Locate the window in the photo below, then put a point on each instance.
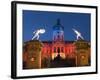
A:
(62, 49)
(54, 49)
(58, 50)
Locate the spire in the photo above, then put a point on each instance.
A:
(58, 21)
(58, 25)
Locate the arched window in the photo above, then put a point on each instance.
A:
(54, 49)
(62, 49)
(58, 36)
(58, 50)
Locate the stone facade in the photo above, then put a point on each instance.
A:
(56, 53)
(32, 54)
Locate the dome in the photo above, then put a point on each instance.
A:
(58, 26)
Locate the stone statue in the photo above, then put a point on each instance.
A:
(78, 34)
(37, 33)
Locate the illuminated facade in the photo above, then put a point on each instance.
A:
(56, 53)
(58, 46)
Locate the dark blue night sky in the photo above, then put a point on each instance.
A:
(33, 20)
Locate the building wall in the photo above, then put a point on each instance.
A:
(48, 49)
(81, 57)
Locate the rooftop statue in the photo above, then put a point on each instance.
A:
(37, 33)
(78, 34)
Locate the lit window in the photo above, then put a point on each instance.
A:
(58, 50)
(62, 49)
(54, 49)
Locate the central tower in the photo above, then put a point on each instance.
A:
(58, 31)
(58, 40)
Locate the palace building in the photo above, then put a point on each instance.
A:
(61, 53)
(58, 46)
